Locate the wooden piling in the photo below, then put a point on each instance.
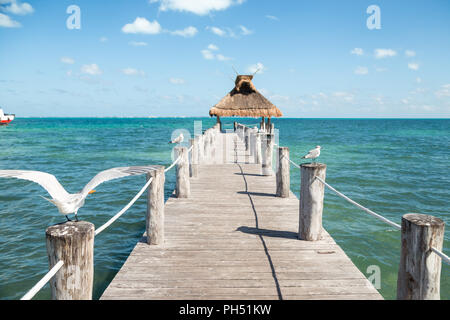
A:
(183, 187)
(419, 271)
(267, 143)
(283, 173)
(258, 150)
(311, 201)
(154, 220)
(193, 165)
(73, 243)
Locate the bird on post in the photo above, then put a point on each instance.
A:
(313, 154)
(177, 140)
(70, 203)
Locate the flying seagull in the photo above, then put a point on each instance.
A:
(70, 203)
(313, 154)
(179, 139)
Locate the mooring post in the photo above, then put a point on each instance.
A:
(246, 138)
(206, 147)
(183, 187)
(154, 220)
(283, 173)
(73, 243)
(267, 142)
(234, 125)
(311, 201)
(193, 166)
(258, 150)
(419, 272)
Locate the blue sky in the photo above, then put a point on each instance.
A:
(174, 57)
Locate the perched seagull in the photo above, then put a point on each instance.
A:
(179, 139)
(70, 203)
(313, 154)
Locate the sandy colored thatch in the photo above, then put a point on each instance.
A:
(245, 101)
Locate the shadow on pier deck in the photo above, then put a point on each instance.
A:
(233, 239)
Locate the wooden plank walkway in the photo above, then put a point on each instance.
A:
(233, 239)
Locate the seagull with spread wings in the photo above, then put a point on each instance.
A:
(70, 203)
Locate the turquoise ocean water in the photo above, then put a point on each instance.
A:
(390, 166)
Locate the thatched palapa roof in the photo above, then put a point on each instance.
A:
(245, 101)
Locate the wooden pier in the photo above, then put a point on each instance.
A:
(233, 238)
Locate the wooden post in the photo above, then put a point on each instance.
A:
(311, 201)
(207, 147)
(155, 207)
(419, 271)
(283, 173)
(193, 166)
(267, 154)
(246, 138)
(183, 187)
(235, 126)
(73, 243)
(258, 150)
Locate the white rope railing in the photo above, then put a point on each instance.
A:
(173, 164)
(442, 255)
(121, 212)
(293, 163)
(38, 286)
(376, 215)
(445, 258)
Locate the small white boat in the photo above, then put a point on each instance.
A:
(5, 119)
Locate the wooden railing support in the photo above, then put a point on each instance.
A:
(311, 201)
(419, 272)
(154, 221)
(73, 243)
(183, 187)
(193, 166)
(267, 143)
(283, 173)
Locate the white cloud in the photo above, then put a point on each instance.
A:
(381, 69)
(138, 43)
(344, 96)
(92, 69)
(142, 25)
(413, 66)
(103, 39)
(208, 55)
(217, 31)
(213, 47)
(67, 60)
(259, 67)
(199, 7)
(177, 81)
(444, 91)
(245, 31)
(133, 72)
(15, 7)
(186, 32)
(410, 53)
(384, 53)
(361, 70)
(357, 51)
(272, 17)
(222, 57)
(7, 22)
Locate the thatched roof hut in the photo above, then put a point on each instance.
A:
(244, 101)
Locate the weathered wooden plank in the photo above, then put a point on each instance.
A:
(234, 239)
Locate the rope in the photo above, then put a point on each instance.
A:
(443, 256)
(38, 286)
(296, 165)
(173, 164)
(376, 215)
(121, 212)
